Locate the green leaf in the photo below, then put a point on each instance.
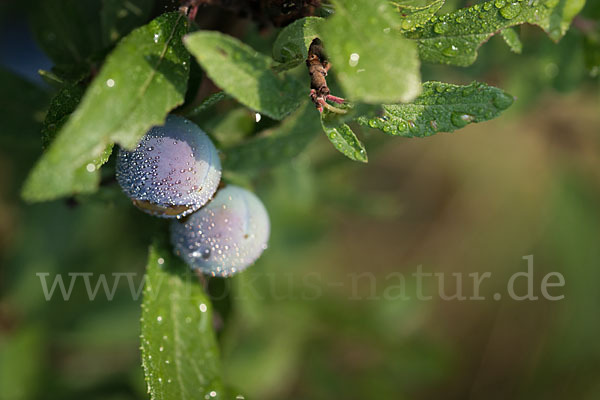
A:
(180, 354)
(342, 137)
(275, 146)
(61, 106)
(119, 17)
(292, 43)
(245, 74)
(67, 30)
(372, 63)
(416, 13)
(141, 81)
(206, 104)
(454, 38)
(511, 37)
(442, 107)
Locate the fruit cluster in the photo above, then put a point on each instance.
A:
(175, 172)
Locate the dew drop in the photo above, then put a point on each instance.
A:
(502, 101)
(511, 10)
(402, 126)
(450, 51)
(461, 119)
(441, 27)
(414, 128)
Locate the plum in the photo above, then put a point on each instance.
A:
(225, 236)
(173, 171)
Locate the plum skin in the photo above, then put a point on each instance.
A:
(225, 236)
(174, 170)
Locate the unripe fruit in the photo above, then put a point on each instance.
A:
(174, 170)
(225, 236)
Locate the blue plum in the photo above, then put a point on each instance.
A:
(174, 170)
(225, 236)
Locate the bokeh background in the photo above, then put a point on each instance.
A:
(311, 320)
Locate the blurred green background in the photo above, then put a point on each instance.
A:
(311, 320)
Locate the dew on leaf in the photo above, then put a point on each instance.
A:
(441, 27)
(450, 51)
(402, 126)
(502, 101)
(461, 119)
(414, 128)
(511, 10)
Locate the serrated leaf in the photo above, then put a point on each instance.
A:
(454, 38)
(245, 74)
(511, 37)
(292, 43)
(207, 103)
(416, 13)
(141, 81)
(342, 137)
(61, 106)
(371, 62)
(119, 17)
(442, 107)
(277, 145)
(180, 354)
